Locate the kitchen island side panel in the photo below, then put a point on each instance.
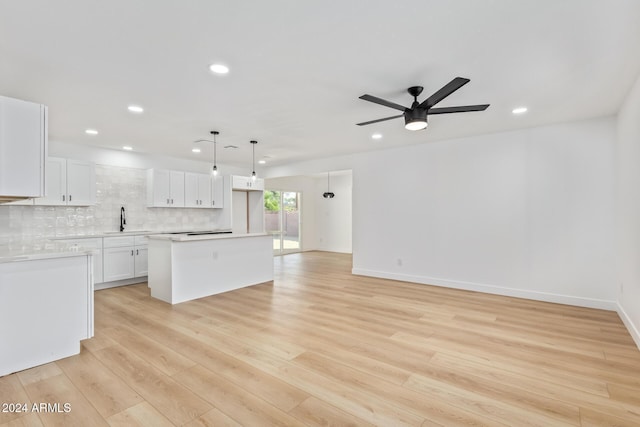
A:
(159, 264)
(46, 308)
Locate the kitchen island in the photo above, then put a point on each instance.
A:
(183, 267)
(46, 304)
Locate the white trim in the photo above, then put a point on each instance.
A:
(492, 289)
(117, 283)
(633, 329)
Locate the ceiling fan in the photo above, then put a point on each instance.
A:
(415, 118)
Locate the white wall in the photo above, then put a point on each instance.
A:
(326, 223)
(526, 213)
(333, 216)
(628, 211)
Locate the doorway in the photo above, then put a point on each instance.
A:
(282, 220)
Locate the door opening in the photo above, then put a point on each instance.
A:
(282, 220)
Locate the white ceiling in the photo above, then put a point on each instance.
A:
(298, 67)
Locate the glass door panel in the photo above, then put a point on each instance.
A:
(282, 220)
(290, 222)
(273, 218)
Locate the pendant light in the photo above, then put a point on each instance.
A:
(215, 145)
(328, 194)
(253, 146)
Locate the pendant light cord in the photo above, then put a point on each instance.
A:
(215, 149)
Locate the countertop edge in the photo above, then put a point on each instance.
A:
(184, 238)
(47, 254)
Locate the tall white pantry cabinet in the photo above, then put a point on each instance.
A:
(23, 149)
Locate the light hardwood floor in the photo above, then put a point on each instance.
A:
(322, 347)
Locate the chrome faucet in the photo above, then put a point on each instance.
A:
(123, 220)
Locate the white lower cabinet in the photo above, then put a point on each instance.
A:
(115, 258)
(94, 243)
(119, 263)
(125, 257)
(141, 266)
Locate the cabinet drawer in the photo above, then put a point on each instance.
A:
(120, 241)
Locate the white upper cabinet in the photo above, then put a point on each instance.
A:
(246, 183)
(69, 183)
(23, 149)
(165, 188)
(81, 183)
(217, 191)
(197, 190)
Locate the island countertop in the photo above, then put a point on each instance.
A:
(110, 233)
(187, 238)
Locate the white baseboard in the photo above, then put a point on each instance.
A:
(336, 250)
(633, 329)
(108, 285)
(492, 289)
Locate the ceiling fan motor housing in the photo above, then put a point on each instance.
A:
(415, 115)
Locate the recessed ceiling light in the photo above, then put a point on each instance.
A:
(519, 110)
(91, 132)
(195, 150)
(219, 69)
(135, 109)
(376, 136)
(127, 148)
(262, 162)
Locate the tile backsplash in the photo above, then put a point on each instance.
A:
(115, 187)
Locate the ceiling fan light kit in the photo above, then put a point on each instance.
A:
(415, 118)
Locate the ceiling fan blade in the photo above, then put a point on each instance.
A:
(445, 91)
(379, 120)
(461, 109)
(384, 102)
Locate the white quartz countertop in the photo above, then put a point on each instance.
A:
(126, 233)
(187, 238)
(33, 252)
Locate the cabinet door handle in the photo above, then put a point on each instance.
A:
(131, 252)
(63, 197)
(171, 201)
(213, 202)
(136, 252)
(167, 201)
(69, 197)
